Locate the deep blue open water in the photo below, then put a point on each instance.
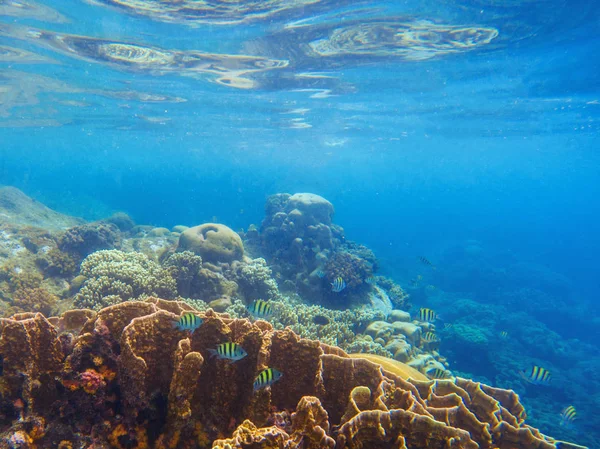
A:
(465, 131)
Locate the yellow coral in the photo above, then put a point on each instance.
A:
(65, 444)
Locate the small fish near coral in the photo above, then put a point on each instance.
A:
(568, 415)
(430, 337)
(436, 373)
(229, 351)
(537, 375)
(371, 280)
(260, 309)
(428, 315)
(338, 285)
(189, 322)
(320, 274)
(266, 378)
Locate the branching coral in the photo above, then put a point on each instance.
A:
(255, 280)
(335, 327)
(184, 267)
(114, 275)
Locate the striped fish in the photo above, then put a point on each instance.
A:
(568, 415)
(260, 309)
(320, 274)
(429, 337)
(427, 315)
(371, 280)
(436, 373)
(537, 375)
(338, 285)
(448, 325)
(266, 378)
(188, 322)
(503, 335)
(426, 261)
(229, 351)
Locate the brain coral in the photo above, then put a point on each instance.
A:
(115, 276)
(153, 385)
(213, 242)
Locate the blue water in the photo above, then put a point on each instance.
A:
(484, 159)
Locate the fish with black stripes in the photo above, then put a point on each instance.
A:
(537, 375)
(427, 315)
(260, 309)
(229, 351)
(266, 378)
(338, 284)
(188, 322)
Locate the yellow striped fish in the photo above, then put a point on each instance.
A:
(503, 335)
(537, 375)
(338, 284)
(429, 337)
(188, 322)
(230, 351)
(260, 309)
(436, 373)
(427, 315)
(266, 378)
(568, 415)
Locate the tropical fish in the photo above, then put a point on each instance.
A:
(188, 322)
(568, 415)
(230, 351)
(503, 335)
(426, 261)
(266, 378)
(338, 285)
(260, 309)
(427, 315)
(320, 274)
(436, 373)
(429, 337)
(537, 375)
(371, 280)
(448, 325)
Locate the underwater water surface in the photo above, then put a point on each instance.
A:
(462, 132)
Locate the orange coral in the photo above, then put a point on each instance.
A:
(171, 394)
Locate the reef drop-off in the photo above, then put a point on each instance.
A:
(126, 377)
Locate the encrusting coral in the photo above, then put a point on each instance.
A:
(128, 378)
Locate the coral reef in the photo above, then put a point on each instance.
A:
(114, 276)
(297, 233)
(184, 267)
(129, 379)
(213, 242)
(34, 300)
(255, 280)
(55, 262)
(87, 238)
